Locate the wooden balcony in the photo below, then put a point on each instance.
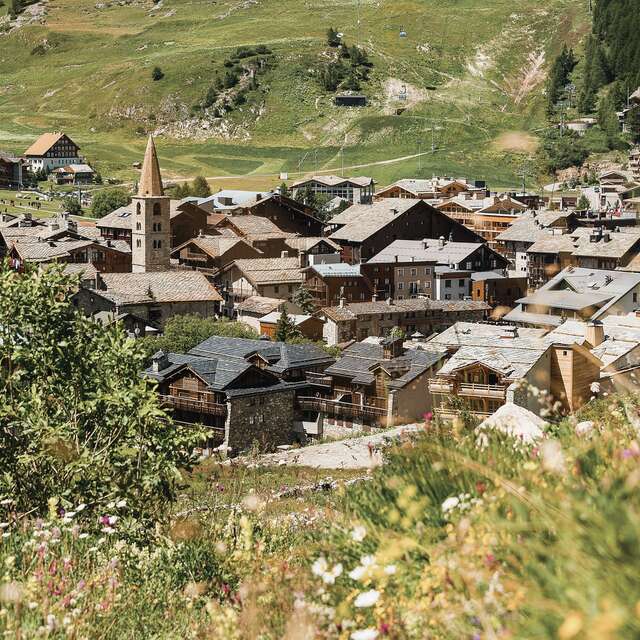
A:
(440, 386)
(474, 390)
(319, 379)
(194, 406)
(341, 409)
(466, 389)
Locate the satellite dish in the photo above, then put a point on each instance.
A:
(403, 33)
(340, 34)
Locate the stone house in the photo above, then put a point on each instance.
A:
(359, 320)
(309, 326)
(286, 213)
(209, 254)
(245, 391)
(153, 296)
(411, 268)
(265, 277)
(10, 171)
(73, 174)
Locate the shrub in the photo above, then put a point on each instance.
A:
(157, 74)
(108, 200)
(77, 423)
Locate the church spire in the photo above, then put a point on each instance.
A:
(150, 178)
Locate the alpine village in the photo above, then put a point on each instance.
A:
(319, 321)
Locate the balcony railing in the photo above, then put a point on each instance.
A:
(319, 379)
(470, 389)
(341, 409)
(440, 386)
(195, 406)
(481, 390)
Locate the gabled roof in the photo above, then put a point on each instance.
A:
(338, 270)
(260, 305)
(260, 271)
(158, 286)
(308, 243)
(43, 144)
(280, 356)
(214, 246)
(429, 250)
(360, 360)
(118, 219)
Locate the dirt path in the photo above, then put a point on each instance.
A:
(354, 453)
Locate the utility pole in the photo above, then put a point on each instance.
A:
(419, 156)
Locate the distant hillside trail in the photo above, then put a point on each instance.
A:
(319, 171)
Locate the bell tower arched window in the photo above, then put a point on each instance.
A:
(138, 209)
(156, 209)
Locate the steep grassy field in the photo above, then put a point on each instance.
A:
(473, 73)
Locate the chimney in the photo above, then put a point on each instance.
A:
(159, 361)
(389, 302)
(341, 303)
(258, 197)
(425, 243)
(284, 254)
(302, 259)
(374, 297)
(594, 333)
(441, 241)
(394, 211)
(606, 237)
(395, 258)
(451, 236)
(201, 234)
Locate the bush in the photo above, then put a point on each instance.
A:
(182, 333)
(72, 206)
(77, 423)
(563, 151)
(157, 74)
(108, 200)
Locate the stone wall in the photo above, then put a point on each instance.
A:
(265, 419)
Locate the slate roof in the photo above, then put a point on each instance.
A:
(601, 282)
(566, 299)
(482, 334)
(355, 310)
(118, 219)
(427, 250)
(261, 271)
(34, 251)
(338, 270)
(158, 286)
(360, 360)
(239, 198)
(529, 228)
(306, 244)
(214, 246)
(620, 348)
(332, 181)
(250, 225)
(259, 305)
(513, 358)
(281, 356)
(373, 216)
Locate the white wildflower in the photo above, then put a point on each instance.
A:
(584, 428)
(329, 577)
(364, 634)
(121, 504)
(357, 573)
(358, 534)
(320, 566)
(367, 599)
(390, 569)
(552, 456)
(450, 504)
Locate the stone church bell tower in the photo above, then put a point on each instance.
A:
(150, 225)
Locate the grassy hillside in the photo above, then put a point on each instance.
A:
(473, 73)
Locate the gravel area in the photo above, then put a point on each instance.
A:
(361, 452)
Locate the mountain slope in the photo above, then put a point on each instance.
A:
(472, 71)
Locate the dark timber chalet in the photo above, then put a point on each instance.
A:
(363, 230)
(245, 390)
(377, 384)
